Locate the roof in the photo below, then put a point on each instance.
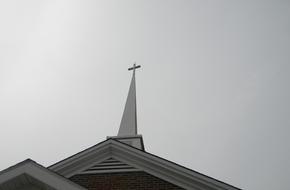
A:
(29, 173)
(138, 159)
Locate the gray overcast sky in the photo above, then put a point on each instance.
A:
(212, 93)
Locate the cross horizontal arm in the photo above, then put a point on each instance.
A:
(134, 67)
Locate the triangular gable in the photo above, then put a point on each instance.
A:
(109, 165)
(29, 174)
(149, 163)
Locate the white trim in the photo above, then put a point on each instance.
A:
(36, 171)
(81, 161)
(144, 161)
(164, 169)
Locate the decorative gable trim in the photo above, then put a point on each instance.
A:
(166, 170)
(82, 160)
(149, 163)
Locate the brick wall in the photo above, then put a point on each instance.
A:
(122, 181)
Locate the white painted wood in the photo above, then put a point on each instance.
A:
(128, 124)
(144, 161)
(29, 173)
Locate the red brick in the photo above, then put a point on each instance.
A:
(123, 181)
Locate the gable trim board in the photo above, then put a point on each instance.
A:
(149, 163)
(29, 172)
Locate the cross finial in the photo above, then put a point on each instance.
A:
(134, 67)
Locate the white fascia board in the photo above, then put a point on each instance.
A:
(71, 171)
(147, 162)
(80, 160)
(165, 169)
(40, 173)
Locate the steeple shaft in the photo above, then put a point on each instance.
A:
(128, 124)
(128, 127)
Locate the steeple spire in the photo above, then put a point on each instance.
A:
(128, 124)
(128, 127)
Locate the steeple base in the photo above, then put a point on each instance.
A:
(132, 140)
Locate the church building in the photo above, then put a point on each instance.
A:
(117, 163)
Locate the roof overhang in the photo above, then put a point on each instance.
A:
(149, 163)
(30, 174)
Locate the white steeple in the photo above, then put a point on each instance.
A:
(128, 127)
(128, 124)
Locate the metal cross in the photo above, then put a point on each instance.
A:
(134, 67)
